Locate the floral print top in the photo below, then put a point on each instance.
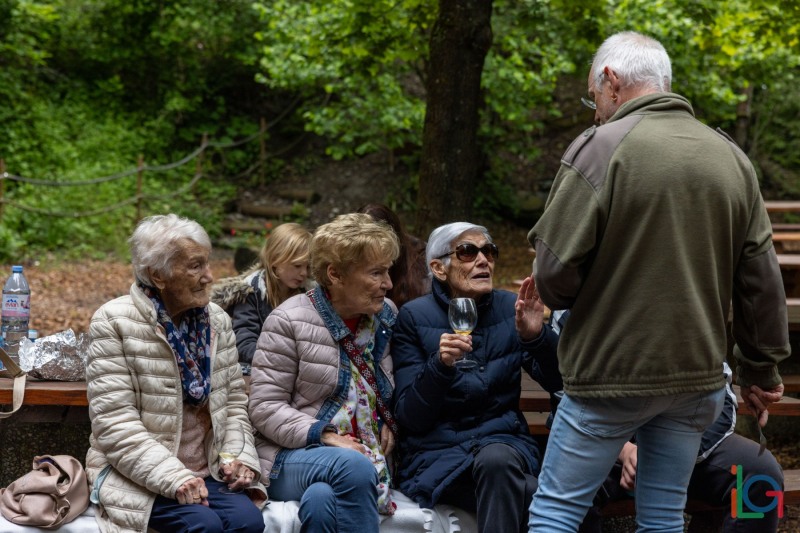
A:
(358, 418)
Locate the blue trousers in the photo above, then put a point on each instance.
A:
(586, 438)
(225, 513)
(712, 483)
(336, 488)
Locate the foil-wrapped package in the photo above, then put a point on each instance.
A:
(57, 357)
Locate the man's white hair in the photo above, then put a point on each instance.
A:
(637, 59)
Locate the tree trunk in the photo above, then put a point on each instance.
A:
(460, 40)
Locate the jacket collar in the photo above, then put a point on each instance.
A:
(655, 102)
(334, 322)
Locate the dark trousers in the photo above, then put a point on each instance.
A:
(711, 483)
(225, 513)
(498, 489)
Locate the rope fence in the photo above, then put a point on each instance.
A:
(139, 171)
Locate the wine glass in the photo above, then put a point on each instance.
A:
(463, 317)
(228, 456)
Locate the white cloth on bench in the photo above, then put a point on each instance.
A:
(281, 517)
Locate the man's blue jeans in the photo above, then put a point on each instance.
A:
(336, 488)
(586, 438)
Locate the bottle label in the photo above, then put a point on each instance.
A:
(17, 306)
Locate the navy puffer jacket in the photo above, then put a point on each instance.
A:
(446, 414)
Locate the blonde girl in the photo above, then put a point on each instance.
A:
(281, 272)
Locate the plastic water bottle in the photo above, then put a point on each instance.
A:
(16, 311)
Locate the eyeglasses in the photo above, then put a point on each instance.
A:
(588, 103)
(468, 252)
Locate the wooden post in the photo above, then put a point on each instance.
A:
(262, 152)
(198, 169)
(2, 185)
(139, 178)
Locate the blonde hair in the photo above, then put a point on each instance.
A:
(288, 243)
(349, 240)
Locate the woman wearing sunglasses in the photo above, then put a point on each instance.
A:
(463, 440)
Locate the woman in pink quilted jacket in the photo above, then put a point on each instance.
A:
(321, 385)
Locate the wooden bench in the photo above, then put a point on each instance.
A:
(790, 271)
(786, 241)
(534, 401)
(782, 206)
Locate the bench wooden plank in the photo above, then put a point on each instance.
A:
(71, 393)
(785, 226)
(782, 206)
(791, 487)
(793, 310)
(791, 383)
(536, 423)
(533, 399)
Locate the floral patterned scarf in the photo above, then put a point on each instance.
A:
(191, 344)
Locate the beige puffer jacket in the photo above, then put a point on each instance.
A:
(295, 370)
(136, 409)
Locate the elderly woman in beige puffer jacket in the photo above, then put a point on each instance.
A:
(166, 397)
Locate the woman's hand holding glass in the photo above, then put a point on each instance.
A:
(454, 347)
(529, 318)
(236, 474)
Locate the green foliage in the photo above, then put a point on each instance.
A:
(359, 64)
(88, 87)
(718, 49)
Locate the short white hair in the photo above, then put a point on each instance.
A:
(637, 59)
(155, 241)
(441, 239)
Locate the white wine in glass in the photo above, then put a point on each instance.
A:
(463, 317)
(227, 457)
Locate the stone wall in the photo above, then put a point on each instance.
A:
(40, 430)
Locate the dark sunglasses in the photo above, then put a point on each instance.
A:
(468, 252)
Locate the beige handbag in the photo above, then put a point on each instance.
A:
(53, 493)
(12, 370)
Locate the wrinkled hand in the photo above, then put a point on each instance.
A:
(193, 491)
(237, 475)
(331, 438)
(387, 440)
(758, 400)
(529, 317)
(453, 347)
(629, 457)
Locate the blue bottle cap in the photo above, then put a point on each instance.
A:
(16, 268)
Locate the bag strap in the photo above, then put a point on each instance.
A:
(19, 383)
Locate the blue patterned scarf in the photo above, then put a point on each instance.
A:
(191, 344)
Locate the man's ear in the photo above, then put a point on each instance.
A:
(438, 270)
(612, 78)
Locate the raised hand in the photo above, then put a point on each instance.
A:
(529, 318)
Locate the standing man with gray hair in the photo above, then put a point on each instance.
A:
(654, 224)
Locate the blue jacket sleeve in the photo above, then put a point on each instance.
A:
(541, 361)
